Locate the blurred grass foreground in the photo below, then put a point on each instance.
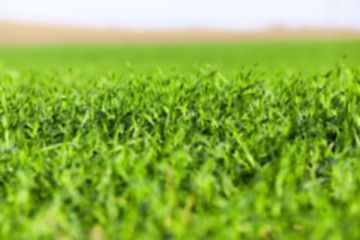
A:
(180, 141)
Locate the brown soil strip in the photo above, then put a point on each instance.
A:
(22, 34)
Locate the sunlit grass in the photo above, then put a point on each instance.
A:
(210, 152)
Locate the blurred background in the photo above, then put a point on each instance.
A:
(127, 34)
(119, 21)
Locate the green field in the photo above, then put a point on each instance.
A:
(215, 141)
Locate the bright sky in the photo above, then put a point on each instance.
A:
(183, 14)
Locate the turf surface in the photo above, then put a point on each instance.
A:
(239, 141)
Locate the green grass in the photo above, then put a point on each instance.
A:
(237, 141)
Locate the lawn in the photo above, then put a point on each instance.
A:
(198, 141)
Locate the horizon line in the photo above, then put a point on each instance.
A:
(27, 33)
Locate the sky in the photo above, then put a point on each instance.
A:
(185, 14)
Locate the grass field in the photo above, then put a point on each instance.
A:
(216, 141)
